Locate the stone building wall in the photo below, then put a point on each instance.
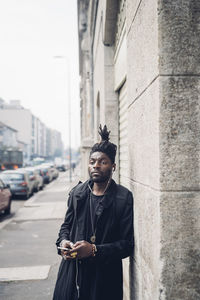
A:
(151, 49)
(144, 150)
(86, 84)
(179, 38)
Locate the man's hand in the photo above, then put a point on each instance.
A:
(82, 248)
(66, 244)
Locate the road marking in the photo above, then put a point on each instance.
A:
(59, 190)
(35, 235)
(38, 204)
(24, 273)
(41, 211)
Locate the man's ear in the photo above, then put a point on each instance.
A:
(113, 167)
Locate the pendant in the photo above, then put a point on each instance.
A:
(93, 239)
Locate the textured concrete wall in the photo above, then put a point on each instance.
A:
(144, 163)
(144, 110)
(163, 87)
(179, 39)
(164, 142)
(105, 86)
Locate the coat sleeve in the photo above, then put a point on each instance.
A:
(124, 246)
(64, 233)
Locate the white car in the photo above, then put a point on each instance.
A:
(40, 178)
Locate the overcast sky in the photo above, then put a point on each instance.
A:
(32, 34)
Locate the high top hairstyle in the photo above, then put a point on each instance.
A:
(105, 146)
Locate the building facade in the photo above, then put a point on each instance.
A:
(54, 144)
(38, 138)
(8, 136)
(139, 67)
(20, 119)
(33, 136)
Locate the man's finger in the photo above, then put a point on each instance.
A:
(64, 252)
(74, 251)
(78, 243)
(68, 257)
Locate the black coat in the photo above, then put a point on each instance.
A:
(99, 277)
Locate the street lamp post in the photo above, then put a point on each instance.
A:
(69, 112)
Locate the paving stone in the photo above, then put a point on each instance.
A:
(24, 273)
(42, 211)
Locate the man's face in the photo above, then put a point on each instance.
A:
(100, 167)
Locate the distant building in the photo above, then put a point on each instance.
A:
(13, 104)
(8, 136)
(37, 139)
(49, 142)
(2, 102)
(19, 118)
(23, 147)
(54, 144)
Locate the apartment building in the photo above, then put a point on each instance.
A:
(33, 134)
(8, 136)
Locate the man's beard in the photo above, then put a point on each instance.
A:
(101, 179)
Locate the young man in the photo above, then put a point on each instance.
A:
(97, 232)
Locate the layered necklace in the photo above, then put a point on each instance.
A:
(94, 224)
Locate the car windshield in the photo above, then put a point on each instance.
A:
(12, 176)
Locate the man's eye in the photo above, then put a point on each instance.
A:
(92, 162)
(103, 162)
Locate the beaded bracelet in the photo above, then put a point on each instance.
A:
(94, 249)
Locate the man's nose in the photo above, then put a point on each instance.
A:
(96, 164)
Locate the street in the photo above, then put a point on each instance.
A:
(29, 260)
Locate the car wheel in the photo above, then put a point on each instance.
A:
(7, 210)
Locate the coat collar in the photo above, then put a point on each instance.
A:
(82, 192)
(109, 195)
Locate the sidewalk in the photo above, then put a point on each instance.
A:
(28, 256)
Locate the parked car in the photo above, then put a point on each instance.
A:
(51, 171)
(18, 181)
(34, 177)
(54, 172)
(46, 174)
(5, 198)
(61, 168)
(40, 177)
(31, 179)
